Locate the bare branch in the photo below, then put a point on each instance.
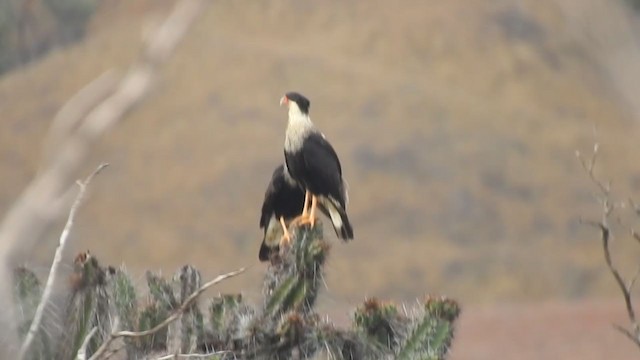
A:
(77, 108)
(176, 313)
(607, 208)
(625, 289)
(627, 333)
(82, 352)
(57, 259)
(589, 169)
(191, 356)
(616, 274)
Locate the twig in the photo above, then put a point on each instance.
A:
(105, 346)
(603, 225)
(176, 313)
(589, 169)
(190, 356)
(57, 259)
(82, 352)
(77, 108)
(624, 288)
(627, 333)
(616, 274)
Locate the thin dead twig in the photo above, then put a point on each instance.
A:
(607, 208)
(176, 313)
(624, 288)
(82, 352)
(191, 356)
(57, 259)
(589, 169)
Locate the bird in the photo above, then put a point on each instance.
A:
(314, 165)
(283, 200)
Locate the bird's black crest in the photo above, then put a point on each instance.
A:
(303, 102)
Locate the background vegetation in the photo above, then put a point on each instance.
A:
(105, 316)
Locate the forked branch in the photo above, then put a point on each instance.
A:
(608, 207)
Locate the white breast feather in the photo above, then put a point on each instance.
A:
(298, 127)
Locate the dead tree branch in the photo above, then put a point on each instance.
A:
(589, 169)
(182, 308)
(624, 288)
(191, 356)
(57, 259)
(74, 111)
(608, 207)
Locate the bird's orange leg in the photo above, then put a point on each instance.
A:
(311, 218)
(306, 203)
(304, 216)
(286, 237)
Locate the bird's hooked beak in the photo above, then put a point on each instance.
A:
(284, 100)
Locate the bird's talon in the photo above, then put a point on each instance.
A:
(299, 220)
(311, 221)
(285, 240)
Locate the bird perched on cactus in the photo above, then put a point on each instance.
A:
(314, 165)
(283, 200)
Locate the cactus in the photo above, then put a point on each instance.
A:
(226, 313)
(87, 307)
(150, 316)
(293, 283)
(377, 321)
(161, 292)
(431, 337)
(27, 293)
(191, 322)
(284, 327)
(122, 291)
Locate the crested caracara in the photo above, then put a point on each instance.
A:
(314, 165)
(282, 202)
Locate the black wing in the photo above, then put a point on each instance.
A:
(324, 173)
(270, 196)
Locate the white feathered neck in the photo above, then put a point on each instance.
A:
(298, 127)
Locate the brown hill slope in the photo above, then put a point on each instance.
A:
(456, 124)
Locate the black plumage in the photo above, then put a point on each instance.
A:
(314, 165)
(283, 198)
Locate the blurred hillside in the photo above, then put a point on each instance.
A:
(456, 123)
(31, 28)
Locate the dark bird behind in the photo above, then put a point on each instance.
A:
(283, 198)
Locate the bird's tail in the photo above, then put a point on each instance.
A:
(338, 216)
(266, 252)
(271, 240)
